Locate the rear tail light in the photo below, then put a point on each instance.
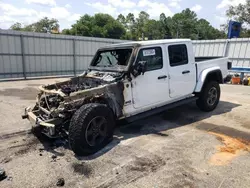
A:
(229, 65)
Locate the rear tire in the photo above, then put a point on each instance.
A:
(209, 96)
(91, 128)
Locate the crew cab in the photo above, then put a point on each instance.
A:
(126, 81)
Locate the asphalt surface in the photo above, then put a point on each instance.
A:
(182, 147)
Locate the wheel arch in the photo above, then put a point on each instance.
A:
(111, 103)
(210, 74)
(112, 96)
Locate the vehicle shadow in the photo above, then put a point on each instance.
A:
(156, 124)
(51, 145)
(160, 123)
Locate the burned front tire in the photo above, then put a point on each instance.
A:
(91, 128)
(209, 96)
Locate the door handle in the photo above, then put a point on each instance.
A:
(186, 72)
(162, 77)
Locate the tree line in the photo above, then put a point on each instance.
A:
(185, 24)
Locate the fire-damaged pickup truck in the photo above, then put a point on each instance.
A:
(126, 82)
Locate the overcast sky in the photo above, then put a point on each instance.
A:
(68, 11)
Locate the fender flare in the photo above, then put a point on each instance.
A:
(203, 76)
(113, 97)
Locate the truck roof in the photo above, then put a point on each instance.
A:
(148, 42)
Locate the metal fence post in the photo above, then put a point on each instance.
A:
(74, 56)
(226, 49)
(23, 56)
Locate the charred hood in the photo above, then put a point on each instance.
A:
(84, 82)
(68, 96)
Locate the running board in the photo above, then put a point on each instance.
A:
(158, 110)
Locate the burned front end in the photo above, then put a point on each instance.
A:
(56, 103)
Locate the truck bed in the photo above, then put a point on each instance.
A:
(206, 58)
(203, 63)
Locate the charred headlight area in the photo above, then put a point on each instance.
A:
(47, 107)
(49, 101)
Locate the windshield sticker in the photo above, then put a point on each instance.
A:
(149, 52)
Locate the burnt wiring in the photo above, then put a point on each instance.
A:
(45, 98)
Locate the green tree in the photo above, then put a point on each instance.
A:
(114, 30)
(240, 13)
(152, 30)
(99, 25)
(181, 25)
(131, 26)
(83, 26)
(44, 25)
(141, 21)
(245, 33)
(29, 28)
(130, 19)
(16, 26)
(97, 31)
(204, 30)
(66, 32)
(165, 25)
(184, 23)
(122, 20)
(102, 19)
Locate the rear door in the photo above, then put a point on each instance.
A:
(182, 71)
(152, 87)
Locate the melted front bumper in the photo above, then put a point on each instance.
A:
(48, 125)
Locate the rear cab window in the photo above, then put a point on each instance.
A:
(178, 55)
(153, 57)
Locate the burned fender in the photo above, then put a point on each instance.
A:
(110, 94)
(114, 97)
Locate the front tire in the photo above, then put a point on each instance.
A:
(209, 96)
(91, 128)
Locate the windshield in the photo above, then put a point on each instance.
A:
(112, 58)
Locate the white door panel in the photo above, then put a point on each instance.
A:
(182, 79)
(182, 71)
(152, 87)
(149, 90)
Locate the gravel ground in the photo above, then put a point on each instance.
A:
(182, 147)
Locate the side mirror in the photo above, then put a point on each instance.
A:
(139, 68)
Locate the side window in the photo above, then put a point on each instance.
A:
(153, 57)
(178, 55)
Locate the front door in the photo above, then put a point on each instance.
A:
(182, 72)
(152, 87)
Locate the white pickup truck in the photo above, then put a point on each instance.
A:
(126, 81)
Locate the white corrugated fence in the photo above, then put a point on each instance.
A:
(238, 50)
(26, 54)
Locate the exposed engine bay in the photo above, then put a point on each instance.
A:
(88, 81)
(56, 103)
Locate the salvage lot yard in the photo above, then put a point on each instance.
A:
(182, 147)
